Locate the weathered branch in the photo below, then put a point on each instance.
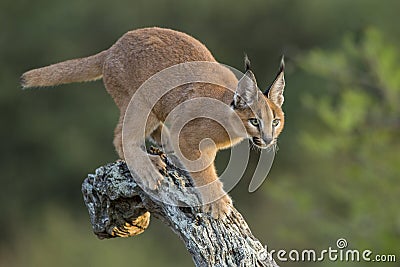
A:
(119, 207)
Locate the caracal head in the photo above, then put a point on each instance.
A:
(260, 112)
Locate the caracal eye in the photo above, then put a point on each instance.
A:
(254, 122)
(275, 122)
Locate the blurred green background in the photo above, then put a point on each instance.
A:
(337, 172)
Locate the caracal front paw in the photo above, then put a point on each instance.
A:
(154, 173)
(220, 208)
(159, 163)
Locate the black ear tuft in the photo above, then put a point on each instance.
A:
(247, 64)
(275, 91)
(281, 71)
(282, 65)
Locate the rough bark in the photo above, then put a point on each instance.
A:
(118, 207)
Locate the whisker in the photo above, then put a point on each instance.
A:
(253, 146)
(275, 147)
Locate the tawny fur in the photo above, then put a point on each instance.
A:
(140, 54)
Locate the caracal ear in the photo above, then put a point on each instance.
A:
(247, 90)
(275, 91)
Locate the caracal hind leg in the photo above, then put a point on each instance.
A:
(118, 138)
(162, 138)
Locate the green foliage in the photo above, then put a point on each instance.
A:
(357, 141)
(363, 98)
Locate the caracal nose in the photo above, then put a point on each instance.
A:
(268, 140)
